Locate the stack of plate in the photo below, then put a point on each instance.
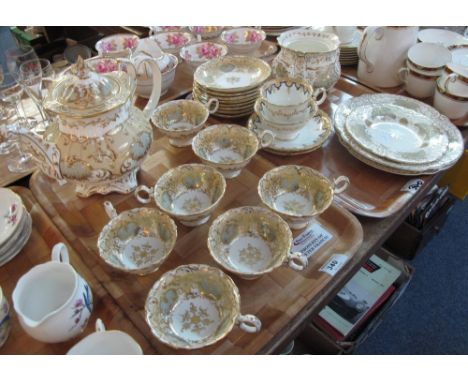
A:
(234, 80)
(275, 31)
(15, 225)
(349, 51)
(398, 134)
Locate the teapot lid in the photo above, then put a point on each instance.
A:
(83, 92)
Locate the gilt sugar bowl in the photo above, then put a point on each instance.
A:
(298, 193)
(96, 137)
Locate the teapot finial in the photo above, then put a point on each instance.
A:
(80, 68)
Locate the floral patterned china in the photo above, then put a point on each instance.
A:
(206, 32)
(18, 239)
(159, 29)
(396, 133)
(252, 241)
(181, 120)
(136, 241)
(52, 301)
(188, 193)
(310, 137)
(97, 138)
(200, 52)
(298, 193)
(229, 148)
(194, 306)
(243, 40)
(11, 213)
(117, 45)
(5, 326)
(171, 42)
(106, 342)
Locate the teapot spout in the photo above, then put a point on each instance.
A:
(46, 153)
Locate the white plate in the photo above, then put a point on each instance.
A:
(7, 245)
(310, 137)
(20, 244)
(441, 36)
(396, 133)
(11, 212)
(460, 55)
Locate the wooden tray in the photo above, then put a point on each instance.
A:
(276, 298)
(44, 236)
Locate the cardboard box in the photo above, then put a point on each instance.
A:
(320, 342)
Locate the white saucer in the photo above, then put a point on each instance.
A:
(11, 212)
(16, 249)
(310, 138)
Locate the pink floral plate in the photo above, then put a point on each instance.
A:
(11, 212)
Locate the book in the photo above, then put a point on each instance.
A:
(361, 296)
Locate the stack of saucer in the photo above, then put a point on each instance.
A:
(349, 50)
(287, 107)
(15, 225)
(233, 80)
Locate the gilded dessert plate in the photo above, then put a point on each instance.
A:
(310, 137)
(396, 133)
(455, 144)
(194, 306)
(232, 73)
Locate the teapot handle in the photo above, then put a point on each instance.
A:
(157, 83)
(60, 253)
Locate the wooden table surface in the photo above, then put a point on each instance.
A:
(37, 251)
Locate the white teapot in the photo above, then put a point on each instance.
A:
(52, 301)
(97, 138)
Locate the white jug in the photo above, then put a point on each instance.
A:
(382, 52)
(52, 301)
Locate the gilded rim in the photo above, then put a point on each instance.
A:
(454, 97)
(260, 211)
(320, 35)
(262, 184)
(124, 215)
(461, 77)
(181, 270)
(167, 105)
(289, 82)
(228, 128)
(168, 174)
(425, 68)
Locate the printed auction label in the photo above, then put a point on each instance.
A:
(334, 264)
(311, 240)
(412, 186)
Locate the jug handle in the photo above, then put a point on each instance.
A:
(60, 253)
(366, 36)
(100, 327)
(157, 83)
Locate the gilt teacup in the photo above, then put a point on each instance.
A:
(229, 148)
(136, 241)
(181, 120)
(188, 193)
(252, 241)
(298, 193)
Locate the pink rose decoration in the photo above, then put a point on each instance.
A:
(106, 66)
(177, 39)
(253, 36)
(208, 51)
(232, 37)
(108, 46)
(130, 43)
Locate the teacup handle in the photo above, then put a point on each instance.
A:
(147, 190)
(266, 138)
(403, 74)
(110, 210)
(100, 327)
(344, 180)
(323, 95)
(249, 323)
(315, 108)
(452, 77)
(212, 105)
(60, 253)
(297, 261)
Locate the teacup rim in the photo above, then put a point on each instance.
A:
(279, 80)
(180, 101)
(245, 43)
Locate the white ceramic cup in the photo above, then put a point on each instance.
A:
(345, 33)
(106, 342)
(4, 319)
(454, 80)
(429, 57)
(416, 84)
(454, 107)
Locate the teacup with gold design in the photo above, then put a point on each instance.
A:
(298, 193)
(188, 193)
(252, 241)
(181, 120)
(229, 148)
(136, 241)
(194, 306)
